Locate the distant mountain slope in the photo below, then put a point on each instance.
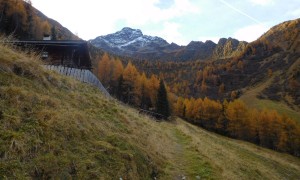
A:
(275, 56)
(132, 43)
(53, 127)
(22, 20)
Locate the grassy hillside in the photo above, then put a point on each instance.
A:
(251, 94)
(54, 127)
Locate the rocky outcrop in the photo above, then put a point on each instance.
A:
(227, 48)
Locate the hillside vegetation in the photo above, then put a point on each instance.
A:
(55, 127)
(250, 97)
(20, 18)
(275, 55)
(262, 126)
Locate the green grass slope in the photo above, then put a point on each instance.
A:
(53, 127)
(250, 97)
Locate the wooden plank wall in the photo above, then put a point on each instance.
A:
(82, 75)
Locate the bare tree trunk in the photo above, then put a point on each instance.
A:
(2, 15)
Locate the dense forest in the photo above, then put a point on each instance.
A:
(226, 78)
(231, 118)
(128, 84)
(234, 119)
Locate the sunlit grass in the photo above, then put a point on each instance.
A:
(250, 98)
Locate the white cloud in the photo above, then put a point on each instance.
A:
(250, 33)
(262, 2)
(144, 12)
(170, 32)
(239, 11)
(93, 18)
(295, 13)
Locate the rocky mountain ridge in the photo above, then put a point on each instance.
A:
(133, 43)
(230, 47)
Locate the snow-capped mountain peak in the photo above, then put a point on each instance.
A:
(127, 41)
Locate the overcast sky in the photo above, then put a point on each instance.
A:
(179, 21)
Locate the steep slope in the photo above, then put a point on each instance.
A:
(26, 22)
(132, 43)
(62, 33)
(285, 35)
(276, 55)
(251, 98)
(55, 127)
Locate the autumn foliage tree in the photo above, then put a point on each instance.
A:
(130, 76)
(104, 69)
(180, 107)
(144, 92)
(237, 114)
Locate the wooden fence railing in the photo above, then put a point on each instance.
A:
(82, 75)
(152, 114)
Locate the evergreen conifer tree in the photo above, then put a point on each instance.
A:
(162, 104)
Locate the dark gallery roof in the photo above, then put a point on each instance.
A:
(69, 43)
(59, 45)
